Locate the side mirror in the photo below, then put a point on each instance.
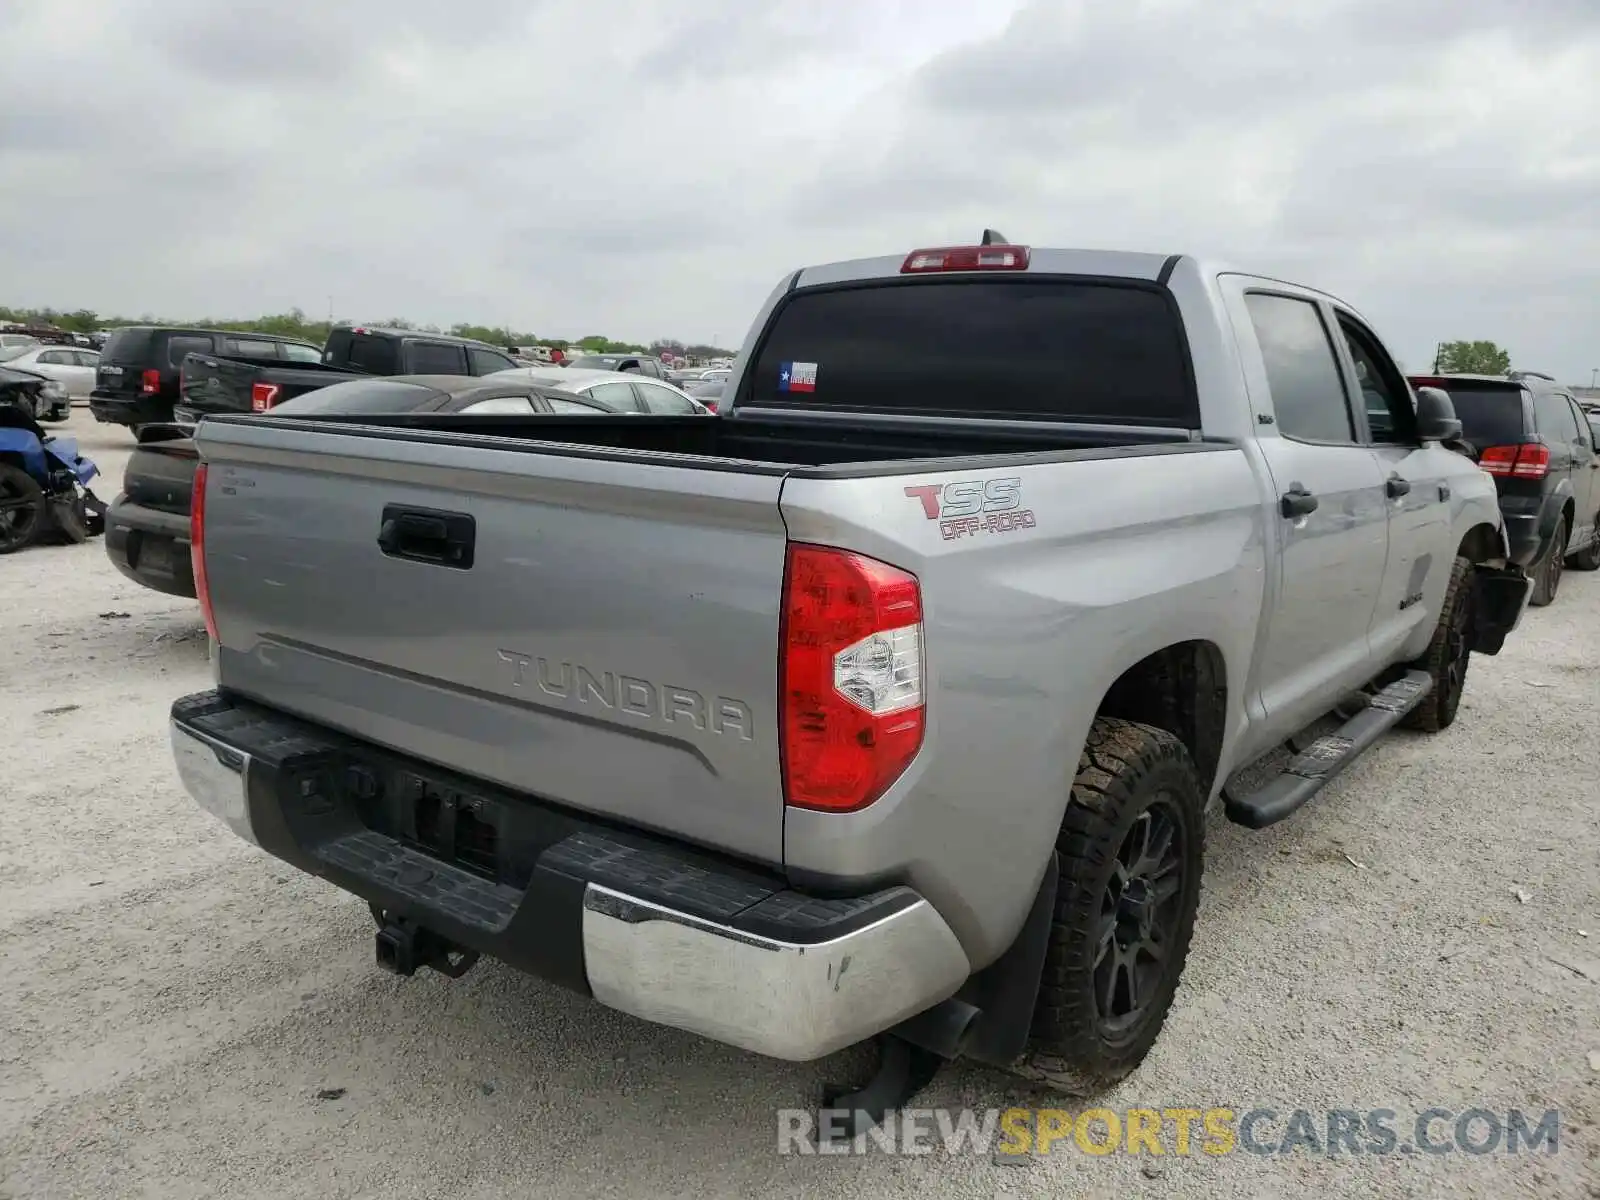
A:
(1436, 416)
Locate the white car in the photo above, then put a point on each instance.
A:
(72, 368)
(15, 341)
(620, 391)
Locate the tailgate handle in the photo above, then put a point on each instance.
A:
(426, 535)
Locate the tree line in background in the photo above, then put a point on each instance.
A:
(1470, 358)
(296, 324)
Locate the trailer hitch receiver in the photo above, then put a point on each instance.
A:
(403, 947)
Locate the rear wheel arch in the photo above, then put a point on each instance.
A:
(1182, 689)
(1483, 543)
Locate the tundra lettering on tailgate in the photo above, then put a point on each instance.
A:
(973, 506)
(615, 692)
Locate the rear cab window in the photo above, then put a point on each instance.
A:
(1030, 348)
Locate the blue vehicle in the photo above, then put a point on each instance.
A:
(44, 481)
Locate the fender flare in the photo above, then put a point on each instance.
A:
(1550, 516)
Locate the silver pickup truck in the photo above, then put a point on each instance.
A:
(894, 700)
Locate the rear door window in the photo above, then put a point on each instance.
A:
(618, 396)
(1308, 394)
(180, 345)
(1553, 415)
(1585, 437)
(436, 358)
(295, 352)
(658, 399)
(1047, 348)
(560, 404)
(487, 362)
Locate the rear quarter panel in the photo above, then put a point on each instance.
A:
(1024, 633)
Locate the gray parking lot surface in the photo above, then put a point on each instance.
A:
(181, 1015)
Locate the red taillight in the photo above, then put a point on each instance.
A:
(965, 258)
(851, 698)
(1432, 381)
(1527, 461)
(263, 396)
(711, 406)
(150, 383)
(197, 549)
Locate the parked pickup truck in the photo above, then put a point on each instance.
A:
(137, 376)
(219, 383)
(897, 699)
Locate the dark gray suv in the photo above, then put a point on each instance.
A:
(1529, 432)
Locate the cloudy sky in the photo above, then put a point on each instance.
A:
(642, 168)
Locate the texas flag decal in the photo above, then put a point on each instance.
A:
(797, 377)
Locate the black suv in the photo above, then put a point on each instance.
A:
(1530, 434)
(137, 380)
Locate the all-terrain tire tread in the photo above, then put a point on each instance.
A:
(1067, 1054)
(1429, 716)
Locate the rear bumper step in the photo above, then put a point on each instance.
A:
(1322, 761)
(664, 932)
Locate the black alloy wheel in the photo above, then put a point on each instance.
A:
(1140, 912)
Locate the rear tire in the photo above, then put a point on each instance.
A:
(1448, 656)
(1131, 848)
(1547, 575)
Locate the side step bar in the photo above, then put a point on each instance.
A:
(1310, 772)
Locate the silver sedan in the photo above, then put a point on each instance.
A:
(72, 368)
(621, 391)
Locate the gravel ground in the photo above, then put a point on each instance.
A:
(181, 1016)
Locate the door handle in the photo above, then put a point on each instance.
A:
(427, 535)
(1397, 487)
(1297, 502)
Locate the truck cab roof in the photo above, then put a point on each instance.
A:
(419, 334)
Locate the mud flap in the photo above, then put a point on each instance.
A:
(1501, 595)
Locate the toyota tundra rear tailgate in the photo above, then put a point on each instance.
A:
(597, 631)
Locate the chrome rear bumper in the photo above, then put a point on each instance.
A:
(815, 976)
